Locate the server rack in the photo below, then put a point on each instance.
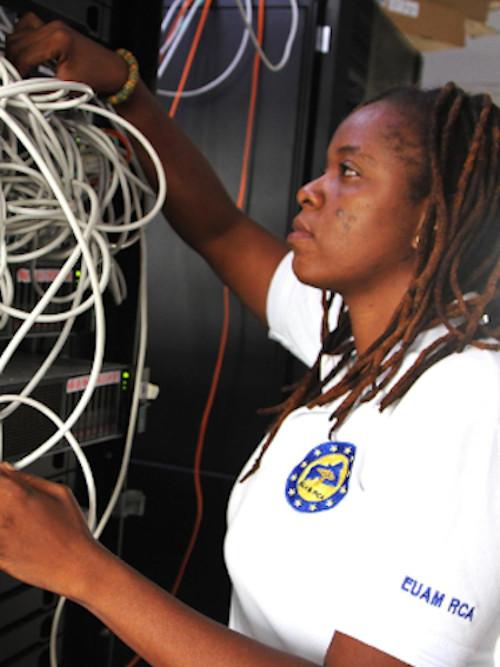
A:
(25, 612)
(61, 389)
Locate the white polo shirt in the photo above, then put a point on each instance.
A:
(388, 531)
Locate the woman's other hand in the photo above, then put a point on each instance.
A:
(44, 539)
(78, 58)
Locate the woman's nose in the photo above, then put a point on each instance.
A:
(310, 194)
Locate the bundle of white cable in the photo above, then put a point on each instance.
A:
(61, 176)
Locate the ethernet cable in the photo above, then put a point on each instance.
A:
(114, 228)
(177, 36)
(221, 78)
(129, 439)
(245, 10)
(80, 248)
(294, 23)
(91, 492)
(167, 19)
(73, 443)
(61, 174)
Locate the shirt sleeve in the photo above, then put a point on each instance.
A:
(294, 313)
(424, 575)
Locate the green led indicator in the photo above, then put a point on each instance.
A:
(78, 273)
(125, 374)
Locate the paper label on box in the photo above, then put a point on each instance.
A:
(80, 383)
(41, 275)
(405, 7)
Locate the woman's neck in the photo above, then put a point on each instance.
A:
(371, 313)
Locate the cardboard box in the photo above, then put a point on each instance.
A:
(478, 29)
(477, 10)
(427, 20)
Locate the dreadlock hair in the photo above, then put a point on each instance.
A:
(455, 161)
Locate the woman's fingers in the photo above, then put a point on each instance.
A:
(78, 58)
(33, 43)
(29, 21)
(27, 481)
(40, 525)
(9, 477)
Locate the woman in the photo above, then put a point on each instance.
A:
(365, 530)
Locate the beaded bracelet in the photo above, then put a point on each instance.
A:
(133, 77)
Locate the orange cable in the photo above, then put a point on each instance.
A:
(122, 139)
(224, 328)
(199, 447)
(182, 11)
(240, 202)
(226, 306)
(189, 60)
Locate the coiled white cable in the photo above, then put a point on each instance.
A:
(134, 409)
(173, 41)
(294, 23)
(177, 36)
(91, 491)
(221, 78)
(60, 176)
(73, 443)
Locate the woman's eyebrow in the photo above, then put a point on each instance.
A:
(349, 149)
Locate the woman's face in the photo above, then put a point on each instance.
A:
(357, 222)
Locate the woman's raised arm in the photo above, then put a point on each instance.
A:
(241, 252)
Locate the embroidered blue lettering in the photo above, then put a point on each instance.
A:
(461, 609)
(426, 595)
(416, 588)
(465, 612)
(407, 582)
(437, 599)
(470, 615)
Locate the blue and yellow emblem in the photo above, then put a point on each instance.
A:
(321, 479)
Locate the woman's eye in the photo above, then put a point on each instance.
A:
(347, 170)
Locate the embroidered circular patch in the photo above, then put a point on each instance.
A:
(321, 479)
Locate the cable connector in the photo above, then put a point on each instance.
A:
(149, 391)
(132, 502)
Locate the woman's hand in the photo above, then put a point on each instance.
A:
(78, 58)
(243, 254)
(44, 539)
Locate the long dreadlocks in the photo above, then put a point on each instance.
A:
(457, 277)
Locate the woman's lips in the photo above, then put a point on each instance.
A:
(300, 232)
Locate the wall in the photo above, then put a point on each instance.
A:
(475, 67)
